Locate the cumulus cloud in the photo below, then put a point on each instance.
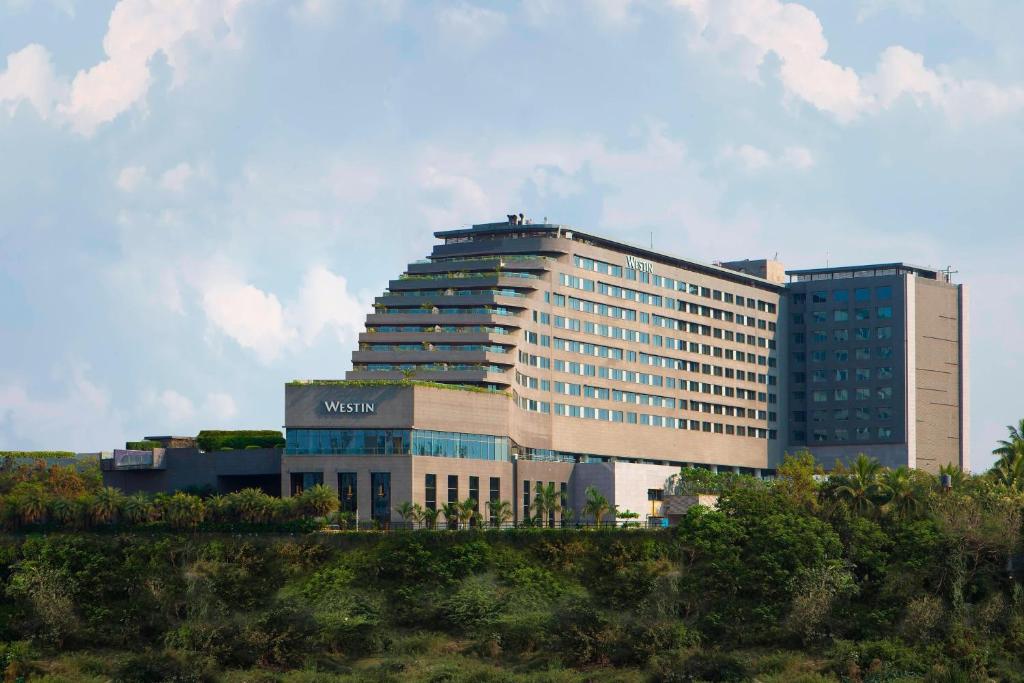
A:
(258, 321)
(173, 406)
(176, 178)
(793, 34)
(29, 77)
(131, 178)
(220, 406)
(138, 31)
(82, 414)
(465, 24)
(752, 158)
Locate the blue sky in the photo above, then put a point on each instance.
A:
(201, 197)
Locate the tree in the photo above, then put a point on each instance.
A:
(105, 505)
(453, 514)
(62, 510)
(596, 505)
(861, 485)
(430, 516)
(31, 502)
(318, 501)
(905, 496)
(410, 512)
(184, 511)
(500, 512)
(1014, 444)
(546, 503)
(136, 508)
(796, 480)
(1008, 470)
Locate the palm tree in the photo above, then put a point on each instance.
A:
(904, 496)
(106, 504)
(597, 506)
(410, 512)
(251, 505)
(136, 508)
(318, 500)
(452, 512)
(469, 512)
(1012, 445)
(32, 502)
(500, 512)
(184, 511)
(430, 516)
(1009, 468)
(861, 484)
(955, 474)
(62, 510)
(548, 502)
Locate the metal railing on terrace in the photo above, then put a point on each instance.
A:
(467, 274)
(442, 526)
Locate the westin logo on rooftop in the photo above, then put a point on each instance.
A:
(342, 407)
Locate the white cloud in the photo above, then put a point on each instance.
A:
(174, 179)
(755, 29)
(258, 321)
(131, 178)
(82, 414)
(138, 30)
(753, 158)
(29, 77)
(173, 406)
(219, 406)
(464, 24)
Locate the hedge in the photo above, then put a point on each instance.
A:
(37, 454)
(392, 383)
(216, 440)
(142, 445)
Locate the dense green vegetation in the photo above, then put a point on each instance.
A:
(869, 574)
(214, 440)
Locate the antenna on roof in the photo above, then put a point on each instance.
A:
(949, 272)
(776, 257)
(652, 240)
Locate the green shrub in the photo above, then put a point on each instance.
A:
(474, 606)
(682, 666)
(214, 440)
(143, 445)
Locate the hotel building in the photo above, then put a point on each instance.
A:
(524, 355)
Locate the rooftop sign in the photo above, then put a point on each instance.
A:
(639, 264)
(342, 407)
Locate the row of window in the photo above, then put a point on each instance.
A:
(425, 367)
(859, 394)
(436, 293)
(843, 335)
(843, 355)
(843, 414)
(671, 284)
(396, 442)
(843, 374)
(436, 329)
(842, 315)
(606, 415)
(447, 310)
(842, 434)
(842, 296)
(428, 346)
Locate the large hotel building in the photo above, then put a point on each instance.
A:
(520, 355)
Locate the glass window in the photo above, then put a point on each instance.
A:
(819, 297)
(862, 294)
(819, 396)
(863, 414)
(819, 416)
(885, 373)
(842, 434)
(884, 332)
(884, 312)
(348, 491)
(818, 356)
(863, 433)
(798, 318)
(380, 490)
(840, 315)
(863, 354)
(430, 486)
(842, 355)
(819, 316)
(861, 394)
(862, 333)
(453, 488)
(885, 432)
(841, 394)
(820, 435)
(862, 313)
(820, 336)
(883, 293)
(301, 481)
(798, 298)
(841, 296)
(819, 375)
(841, 414)
(884, 393)
(842, 374)
(884, 352)
(884, 412)
(841, 335)
(863, 374)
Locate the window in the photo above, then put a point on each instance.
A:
(884, 332)
(863, 433)
(841, 414)
(863, 374)
(380, 492)
(655, 494)
(884, 393)
(863, 354)
(862, 313)
(526, 499)
(305, 480)
(798, 298)
(884, 312)
(862, 333)
(819, 415)
(841, 296)
(884, 412)
(840, 315)
(819, 297)
(819, 376)
(453, 488)
(819, 396)
(799, 416)
(841, 394)
(883, 293)
(799, 377)
(798, 338)
(820, 336)
(841, 335)
(798, 318)
(885, 432)
(348, 491)
(819, 316)
(474, 492)
(884, 352)
(885, 373)
(842, 355)
(820, 435)
(430, 486)
(861, 394)
(842, 434)
(863, 414)
(842, 374)
(818, 356)
(862, 294)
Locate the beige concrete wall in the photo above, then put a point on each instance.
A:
(464, 468)
(937, 372)
(400, 468)
(544, 472)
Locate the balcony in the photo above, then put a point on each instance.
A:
(135, 460)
